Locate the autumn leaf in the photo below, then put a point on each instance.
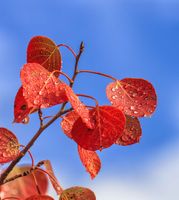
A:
(68, 121)
(108, 127)
(21, 108)
(90, 160)
(39, 197)
(25, 186)
(77, 193)
(132, 132)
(48, 91)
(135, 97)
(9, 146)
(44, 51)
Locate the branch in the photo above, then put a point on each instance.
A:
(43, 127)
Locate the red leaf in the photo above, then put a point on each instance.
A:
(21, 109)
(68, 121)
(135, 97)
(48, 91)
(132, 132)
(77, 193)
(39, 197)
(44, 51)
(90, 160)
(25, 186)
(109, 125)
(9, 147)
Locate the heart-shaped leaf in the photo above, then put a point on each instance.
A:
(25, 186)
(132, 132)
(9, 146)
(39, 197)
(48, 91)
(135, 97)
(77, 193)
(21, 108)
(90, 160)
(44, 51)
(68, 121)
(108, 127)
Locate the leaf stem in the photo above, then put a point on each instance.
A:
(68, 47)
(98, 73)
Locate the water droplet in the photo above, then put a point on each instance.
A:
(36, 101)
(114, 97)
(40, 93)
(113, 89)
(135, 112)
(132, 107)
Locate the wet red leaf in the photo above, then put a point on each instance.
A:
(21, 109)
(132, 132)
(68, 121)
(90, 160)
(39, 197)
(44, 51)
(48, 91)
(135, 97)
(77, 193)
(25, 186)
(9, 147)
(109, 123)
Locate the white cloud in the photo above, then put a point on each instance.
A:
(158, 181)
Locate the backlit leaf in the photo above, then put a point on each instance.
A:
(39, 197)
(77, 193)
(68, 121)
(132, 132)
(25, 186)
(44, 51)
(42, 89)
(9, 147)
(21, 109)
(90, 160)
(135, 97)
(109, 123)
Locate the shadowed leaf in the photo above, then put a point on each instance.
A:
(44, 51)
(77, 193)
(132, 132)
(9, 147)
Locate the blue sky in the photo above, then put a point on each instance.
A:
(122, 38)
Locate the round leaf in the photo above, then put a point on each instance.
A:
(135, 97)
(90, 160)
(9, 147)
(25, 186)
(132, 132)
(77, 193)
(48, 91)
(44, 51)
(109, 123)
